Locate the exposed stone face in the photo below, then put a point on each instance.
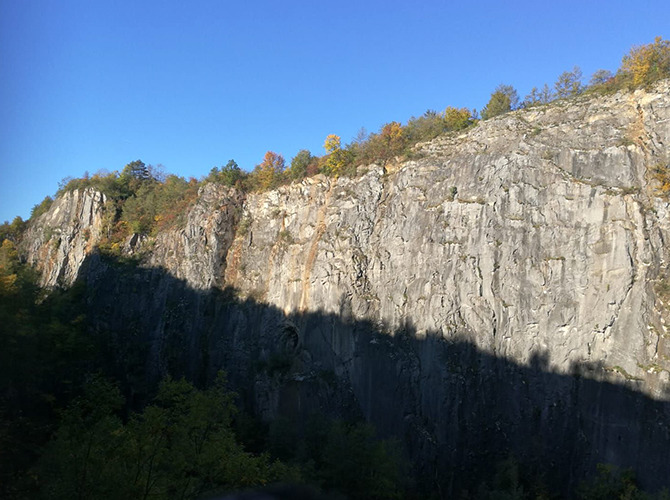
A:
(536, 238)
(535, 232)
(197, 253)
(59, 240)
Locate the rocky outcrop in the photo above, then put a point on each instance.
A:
(535, 232)
(58, 241)
(503, 281)
(197, 252)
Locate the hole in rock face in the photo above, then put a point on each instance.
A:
(290, 337)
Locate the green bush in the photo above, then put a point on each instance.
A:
(182, 445)
(230, 175)
(611, 483)
(41, 208)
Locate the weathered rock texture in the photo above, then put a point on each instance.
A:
(497, 292)
(58, 241)
(197, 253)
(536, 232)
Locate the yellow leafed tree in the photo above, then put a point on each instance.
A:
(648, 63)
(393, 137)
(332, 143)
(457, 119)
(8, 260)
(335, 160)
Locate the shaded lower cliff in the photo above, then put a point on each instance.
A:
(506, 288)
(540, 230)
(457, 409)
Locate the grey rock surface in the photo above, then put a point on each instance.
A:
(58, 241)
(197, 253)
(501, 290)
(538, 231)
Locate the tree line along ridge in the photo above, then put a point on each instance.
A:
(146, 200)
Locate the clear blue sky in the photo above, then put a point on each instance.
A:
(89, 85)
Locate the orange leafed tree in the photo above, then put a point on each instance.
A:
(8, 259)
(393, 136)
(268, 173)
(662, 176)
(390, 141)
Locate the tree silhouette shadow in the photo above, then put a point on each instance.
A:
(457, 409)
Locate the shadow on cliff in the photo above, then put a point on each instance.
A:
(456, 409)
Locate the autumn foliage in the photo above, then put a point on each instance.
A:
(457, 119)
(662, 175)
(268, 173)
(646, 64)
(393, 139)
(334, 161)
(147, 201)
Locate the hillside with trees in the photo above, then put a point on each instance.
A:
(74, 423)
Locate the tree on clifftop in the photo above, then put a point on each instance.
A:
(569, 83)
(336, 157)
(137, 170)
(267, 174)
(503, 99)
(648, 63)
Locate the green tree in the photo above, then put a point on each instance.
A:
(299, 164)
(133, 176)
(12, 231)
(180, 446)
(84, 460)
(41, 208)
(505, 484)
(569, 83)
(425, 127)
(44, 354)
(157, 205)
(538, 97)
(137, 170)
(457, 119)
(611, 483)
(503, 99)
(357, 464)
(139, 211)
(348, 458)
(229, 175)
(600, 77)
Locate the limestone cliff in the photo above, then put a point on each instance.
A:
(58, 241)
(536, 239)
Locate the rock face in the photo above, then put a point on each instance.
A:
(500, 291)
(197, 253)
(58, 241)
(535, 232)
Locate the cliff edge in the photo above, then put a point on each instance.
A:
(537, 235)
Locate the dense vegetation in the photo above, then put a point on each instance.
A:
(66, 429)
(144, 200)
